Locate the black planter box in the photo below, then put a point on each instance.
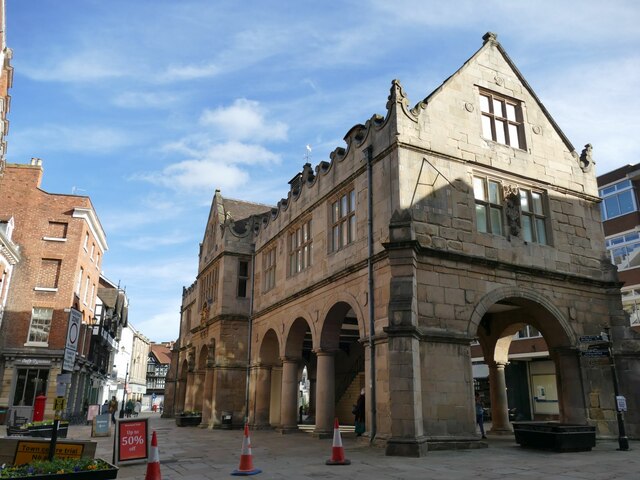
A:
(559, 437)
(106, 474)
(188, 420)
(40, 431)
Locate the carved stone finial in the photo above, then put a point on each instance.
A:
(490, 37)
(586, 158)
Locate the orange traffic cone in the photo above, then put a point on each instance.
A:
(153, 465)
(246, 461)
(337, 453)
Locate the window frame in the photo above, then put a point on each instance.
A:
(503, 118)
(243, 280)
(617, 190)
(45, 327)
(269, 268)
(300, 247)
(488, 205)
(535, 216)
(342, 220)
(620, 241)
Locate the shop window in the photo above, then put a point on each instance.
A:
(30, 383)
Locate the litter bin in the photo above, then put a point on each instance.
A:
(3, 414)
(227, 420)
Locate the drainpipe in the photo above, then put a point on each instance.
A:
(246, 394)
(372, 350)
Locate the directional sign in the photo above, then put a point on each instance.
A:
(595, 353)
(590, 338)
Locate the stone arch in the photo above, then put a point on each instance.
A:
(294, 336)
(269, 351)
(202, 358)
(561, 333)
(342, 298)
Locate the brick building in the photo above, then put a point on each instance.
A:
(62, 245)
(466, 218)
(6, 80)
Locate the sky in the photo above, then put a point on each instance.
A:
(148, 106)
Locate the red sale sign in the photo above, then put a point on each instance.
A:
(132, 440)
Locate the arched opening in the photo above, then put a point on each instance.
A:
(298, 354)
(524, 365)
(268, 374)
(340, 371)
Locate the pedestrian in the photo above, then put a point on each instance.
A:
(480, 414)
(105, 407)
(113, 408)
(137, 408)
(358, 411)
(129, 408)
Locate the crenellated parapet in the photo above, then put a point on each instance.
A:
(307, 186)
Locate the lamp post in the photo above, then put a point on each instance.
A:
(623, 441)
(124, 392)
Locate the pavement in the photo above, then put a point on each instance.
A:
(199, 453)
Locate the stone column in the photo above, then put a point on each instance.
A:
(571, 395)
(207, 395)
(263, 396)
(289, 401)
(325, 393)
(499, 404)
(189, 387)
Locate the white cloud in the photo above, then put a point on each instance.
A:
(145, 100)
(71, 138)
(207, 164)
(89, 65)
(177, 73)
(244, 120)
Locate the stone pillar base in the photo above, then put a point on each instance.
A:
(262, 426)
(322, 434)
(456, 443)
(287, 430)
(501, 431)
(406, 447)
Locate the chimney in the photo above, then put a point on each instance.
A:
(37, 162)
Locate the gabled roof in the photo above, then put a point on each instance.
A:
(490, 39)
(240, 210)
(162, 353)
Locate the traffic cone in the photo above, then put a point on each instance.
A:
(153, 465)
(337, 452)
(246, 461)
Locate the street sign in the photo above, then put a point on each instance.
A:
(591, 338)
(595, 353)
(621, 403)
(73, 334)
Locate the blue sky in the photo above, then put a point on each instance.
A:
(148, 106)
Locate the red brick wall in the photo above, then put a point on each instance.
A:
(33, 209)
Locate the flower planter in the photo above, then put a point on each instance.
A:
(188, 420)
(41, 431)
(105, 472)
(559, 437)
